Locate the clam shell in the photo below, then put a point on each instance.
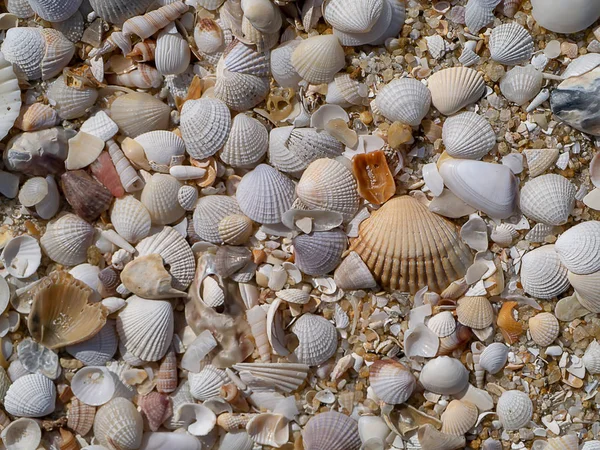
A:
(405, 100)
(20, 8)
(318, 58)
(435, 260)
(560, 17)
(208, 36)
(172, 55)
(540, 160)
(281, 66)
(353, 16)
(67, 239)
(548, 199)
(381, 29)
(514, 410)
(99, 349)
(59, 51)
(320, 252)
(591, 357)
(94, 386)
(49, 206)
(297, 296)
(494, 357)
(10, 96)
(510, 44)
(130, 218)
(36, 116)
(22, 256)
(475, 312)
(240, 441)
(138, 113)
(544, 329)
(586, 289)
(87, 197)
(247, 142)
(442, 324)
(468, 135)
(31, 395)
(160, 199)
(21, 434)
(477, 16)
(459, 417)
(521, 84)
(353, 274)
(187, 197)
(455, 380)
(331, 430)
(242, 58)
(391, 381)
(205, 126)
(163, 149)
(25, 47)
(578, 248)
(317, 339)
(504, 234)
(208, 214)
(118, 424)
(239, 91)
(118, 11)
(55, 10)
(432, 439)
(455, 88)
(235, 229)
(206, 383)
(69, 102)
(285, 377)
(542, 274)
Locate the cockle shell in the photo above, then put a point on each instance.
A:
(208, 214)
(414, 265)
(318, 58)
(138, 113)
(510, 7)
(240, 91)
(99, 349)
(561, 17)
(391, 381)
(586, 289)
(317, 339)
(455, 88)
(353, 274)
(30, 396)
(69, 102)
(504, 234)
(263, 15)
(93, 385)
(281, 65)
(206, 383)
(236, 229)
(36, 117)
(205, 126)
(88, 198)
(494, 357)
(514, 410)
(591, 357)
(442, 324)
(160, 199)
(477, 16)
(455, 380)
(118, 424)
(187, 197)
(22, 256)
(468, 135)
(67, 239)
(510, 44)
(130, 218)
(118, 11)
(331, 430)
(148, 24)
(542, 273)
(475, 312)
(459, 417)
(55, 11)
(163, 149)
(320, 252)
(405, 100)
(568, 442)
(432, 439)
(247, 143)
(345, 91)
(20, 8)
(353, 16)
(208, 36)
(521, 84)
(544, 328)
(540, 160)
(22, 434)
(578, 248)
(10, 96)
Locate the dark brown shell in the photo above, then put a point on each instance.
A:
(104, 171)
(88, 198)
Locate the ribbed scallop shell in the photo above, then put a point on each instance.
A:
(542, 273)
(540, 160)
(172, 55)
(377, 32)
(145, 327)
(242, 58)
(514, 410)
(544, 328)
(208, 36)
(58, 53)
(320, 252)
(586, 289)
(30, 396)
(405, 100)
(208, 214)
(567, 442)
(87, 197)
(175, 252)
(205, 126)
(468, 135)
(72, 28)
(407, 247)
(118, 11)
(391, 381)
(477, 16)
(285, 377)
(332, 431)
(10, 97)
(318, 58)
(99, 349)
(521, 84)
(25, 47)
(459, 417)
(138, 113)
(578, 248)
(443, 324)
(130, 218)
(187, 197)
(67, 239)
(235, 229)
(317, 339)
(163, 149)
(55, 10)
(475, 312)
(591, 357)
(548, 199)
(264, 194)
(510, 44)
(494, 357)
(69, 102)
(455, 379)
(247, 143)
(281, 65)
(239, 91)
(353, 16)
(118, 424)
(504, 234)
(297, 296)
(455, 88)
(344, 89)
(20, 8)
(206, 383)
(160, 199)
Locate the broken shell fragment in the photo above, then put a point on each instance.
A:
(375, 181)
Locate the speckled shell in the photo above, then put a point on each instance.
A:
(521, 84)
(459, 417)
(514, 410)
(540, 160)
(318, 58)
(206, 383)
(118, 11)
(436, 259)
(475, 312)
(586, 289)
(208, 214)
(391, 381)
(455, 88)
(138, 113)
(247, 142)
(510, 44)
(67, 239)
(578, 248)
(332, 431)
(130, 218)
(205, 126)
(159, 197)
(542, 273)
(20, 8)
(548, 199)
(118, 424)
(55, 10)
(99, 349)
(468, 135)
(544, 328)
(455, 380)
(167, 373)
(591, 357)
(494, 357)
(406, 100)
(320, 252)
(71, 103)
(30, 396)
(317, 339)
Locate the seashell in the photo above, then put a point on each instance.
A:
(208, 214)
(354, 16)
(281, 66)
(565, 18)
(477, 16)
(247, 143)
(264, 194)
(320, 252)
(317, 339)
(269, 429)
(208, 36)
(130, 179)
(581, 65)
(468, 57)
(58, 53)
(172, 55)
(10, 96)
(510, 7)
(235, 229)
(198, 419)
(414, 266)
(130, 218)
(405, 100)
(55, 11)
(93, 385)
(145, 328)
(459, 417)
(67, 239)
(138, 113)
(84, 149)
(455, 88)
(343, 90)
(187, 197)
(432, 439)
(160, 440)
(455, 380)
(35, 117)
(205, 126)
(156, 407)
(542, 274)
(375, 180)
(577, 248)
(585, 289)
(540, 160)
(20, 8)
(118, 424)
(521, 84)
(420, 341)
(69, 102)
(331, 430)
(353, 274)
(494, 357)
(544, 329)
(60, 296)
(285, 377)
(22, 256)
(146, 277)
(104, 171)
(391, 381)
(548, 199)
(35, 358)
(568, 442)
(30, 396)
(240, 441)
(99, 349)
(167, 373)
(146, 25)
(469, 180)
(510, 44)
(87, 197)
(21, 434)
(160, 199)
(514, 410)
(442, 324)
(591, 357)
(257, 319)
(239, 91)
(118, 11)
(318, 58)
(48, 207)
(163, 149)
(241, 58)
(206, 383)
(511, 329)
(468, 135)
(477, 349)
(262, 14)
(475, 312)
(504, 234)
(25, 47)
(72, 28)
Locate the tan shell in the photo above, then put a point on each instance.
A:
(147, 277)
(375, 180)
(475, 312)
(544, 328)
(235, 229)
(455, 88)
(433, 254)
(81, 417)
(511, 329)
(459, 417)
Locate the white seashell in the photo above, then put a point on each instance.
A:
(199, 420)
(187, 197)
(205, 126)
(510, 44)
(208, 214)
(477, 349)
(504, 234)
(10, 96)
(22, 434)
(257, 319)
(468, 57)
(163, 149)
(118, 424)
(145, 327)
(353, 274)
(264, 194)
(9, 184)
(101, 126)
(353, 16)
(269, 429)
(24, 48)
(565, 18)
(93, 385)
(494, 357)
(585, 289)
(172, 55)
(317, 339)
(206, 383)
(53, 10)
(432, 439)
(521, 84)
(468, 135)
(471, 181)
(387, 25)
(208, 36)
(138, 113)
(331, 430)
(69, 102)
(148, 24)
(591, 358)
(50, 204)
(514, 410)
(285, 377)
(548, 199)
(421, 341)
(318, 58)
(540, 160)
(578, 247)
(240, 441)
(130, 218)
(67, 239)
(391, 381)
(33, 191)
(455, 88)
(406, 100)
(455, 380)
(184, 173)
(477, 16)
(118, 11)
(84, 149)
(296, 296)
(239, 91)
(542, 274)
(72, 28)
(129, 177)
(247, 143)
(20, 8)
(459, 417)
(345, 91)
(30, 396)
(544, 328)
(281, 66)
(320, 252)
(436, 46)
(160, 199)
(99, 349)
(581, 65)
(442, 324)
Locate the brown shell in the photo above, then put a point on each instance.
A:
(88, 198)
(511, 329)
(406, 246)
(104, 171)
(81, 417)
(143, 51)
(60, 313)
(157, 408)
(375, 180)
(68, 441)
(167, 373)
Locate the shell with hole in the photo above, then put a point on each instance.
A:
(247, 142)
(542, 273)
(118, 424)
(159, 197)
(459, 417)
(317, 339)
(578, 248)
(209, 212)
(31, 395)
(475, 312)
(331, 430)
(455, 380)
(269, 429)
(521, 84)
(130, 218)
(205, 126)
(391, 381)
(468, 135)
(455, 88)
(406, 100)
(10, 95)
(514, 410)
(319, 252)
(544, 328)
(318, 58)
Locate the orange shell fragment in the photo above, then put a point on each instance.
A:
(511, 329)
(375, 180)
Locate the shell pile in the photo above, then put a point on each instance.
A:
(299, 224)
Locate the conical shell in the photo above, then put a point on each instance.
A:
(432, 439)
(145, 328)
(455, 379)
(118, 11)
(353, 16)
(320, 252)
(540, 160)
(586, 289)
(331, 430)
(87, 197)
(544, 329)
(163, 149)
(138, 113)
(548, 199)
(468, 135)
(67, 239)
(455, 88)
(25, 47)
(475, 312)
(510, 44)
(167, 373)
(264, 194)
(317, 339)
(285, 377)
(99, 349)
(578, 248)
(69, 102)
(10, 96)
(30, 396)
(146, 25)
(80, 417)
(477, 349)
(494, 357)
(391, 381)
(459, 417)
(156, 407)
(55, 10)
(160, 199)
(235, 229)
(514, 410)
(542, 273)
(130, 218)
(206, 383)
(436, 259)
(443, 324)
(205, 126)
(318, 58)
(118, 424)
(353, 274)
(521, 84)
(591, 357)
(208, 214)
(405, 100)
(247, 142)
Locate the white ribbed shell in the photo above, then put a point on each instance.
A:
(320, 252)
(67, 239)
(10, 96)
(118, 11)
(205, 126)
(172, 55)
(494, 357)
(468, 135)
(548, 199)
(163, 149)
(318, 58)
(405, 100)
(391, 381)
(25, 47)
(353, 16)
(510, 44)
(247, 143)
(317, 339)
(119, 422)
(443, 324)
(55, 10)
(281, 64)
(206, 383)
(331, 430)
(99, 349)
(544, 328)
(455, 88)
(521, 84)
(30, 396)
(542, 273)
(579, 246)
(71, 103)
(514, 410)
(591, 357)
(586, 289)
(160, 199)
(130, 218)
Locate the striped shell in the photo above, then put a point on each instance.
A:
(391, 381)
(205, 126)
(247, 142)
(130, 218)
(578, 248)
(332, 431)
(30, 396)
(69, 102)
(317, 339)
(67, 239)
(118, 11)
(521, 84)
(542, 273)
(208, 214)
(235, 229)
(138, 113)
(318, 58)
(320, 252)
(548, 199)
(459, 417)
(160, 199)
(591, 357)
(544, 328)
(353, 16)
(118, 424)
(514, 410)
(206, 383)
(540, 160)
(281, 65)
(475, 312)
(406, 100)
(455, 88)
(510, 44)
(468, 135)
(187, 197)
